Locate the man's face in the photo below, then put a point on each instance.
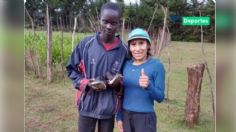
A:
(110, 22)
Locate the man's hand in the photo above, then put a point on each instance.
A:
(114, 80)
(120, 126)
(143, 80)
(97, 85)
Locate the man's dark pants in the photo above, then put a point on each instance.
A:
(88, 124)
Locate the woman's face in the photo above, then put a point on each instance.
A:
(139, 49)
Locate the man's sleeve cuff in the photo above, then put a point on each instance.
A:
(83, 83)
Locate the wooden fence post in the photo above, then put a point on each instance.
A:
(49, 46)
(192, 108)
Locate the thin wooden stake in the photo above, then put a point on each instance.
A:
(208, 71)
(73, 34)
(49, 47)
(37, 71)
(152, 18)
(62, 52)
(123, 27)
(163, 29)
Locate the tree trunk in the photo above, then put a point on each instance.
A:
(71, 19)
(192, 108)
(57, 23)
(67, 22)
(63, 21)
(49, 47)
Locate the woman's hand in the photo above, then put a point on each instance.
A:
(120, 126)
(143, 80)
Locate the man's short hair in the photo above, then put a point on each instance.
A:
(112, 6)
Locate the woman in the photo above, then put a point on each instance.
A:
(144, 82)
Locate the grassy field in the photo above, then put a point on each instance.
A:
(50, 108)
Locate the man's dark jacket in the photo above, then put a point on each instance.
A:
(90, 60)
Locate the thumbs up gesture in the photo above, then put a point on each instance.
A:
(143, 80)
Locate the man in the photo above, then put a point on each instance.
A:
(93, 68)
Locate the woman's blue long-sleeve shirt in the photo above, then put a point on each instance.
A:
(138, 99)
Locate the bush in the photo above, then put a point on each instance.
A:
(39, 45)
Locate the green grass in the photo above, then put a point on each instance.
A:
(51, 107)
(184, 54)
